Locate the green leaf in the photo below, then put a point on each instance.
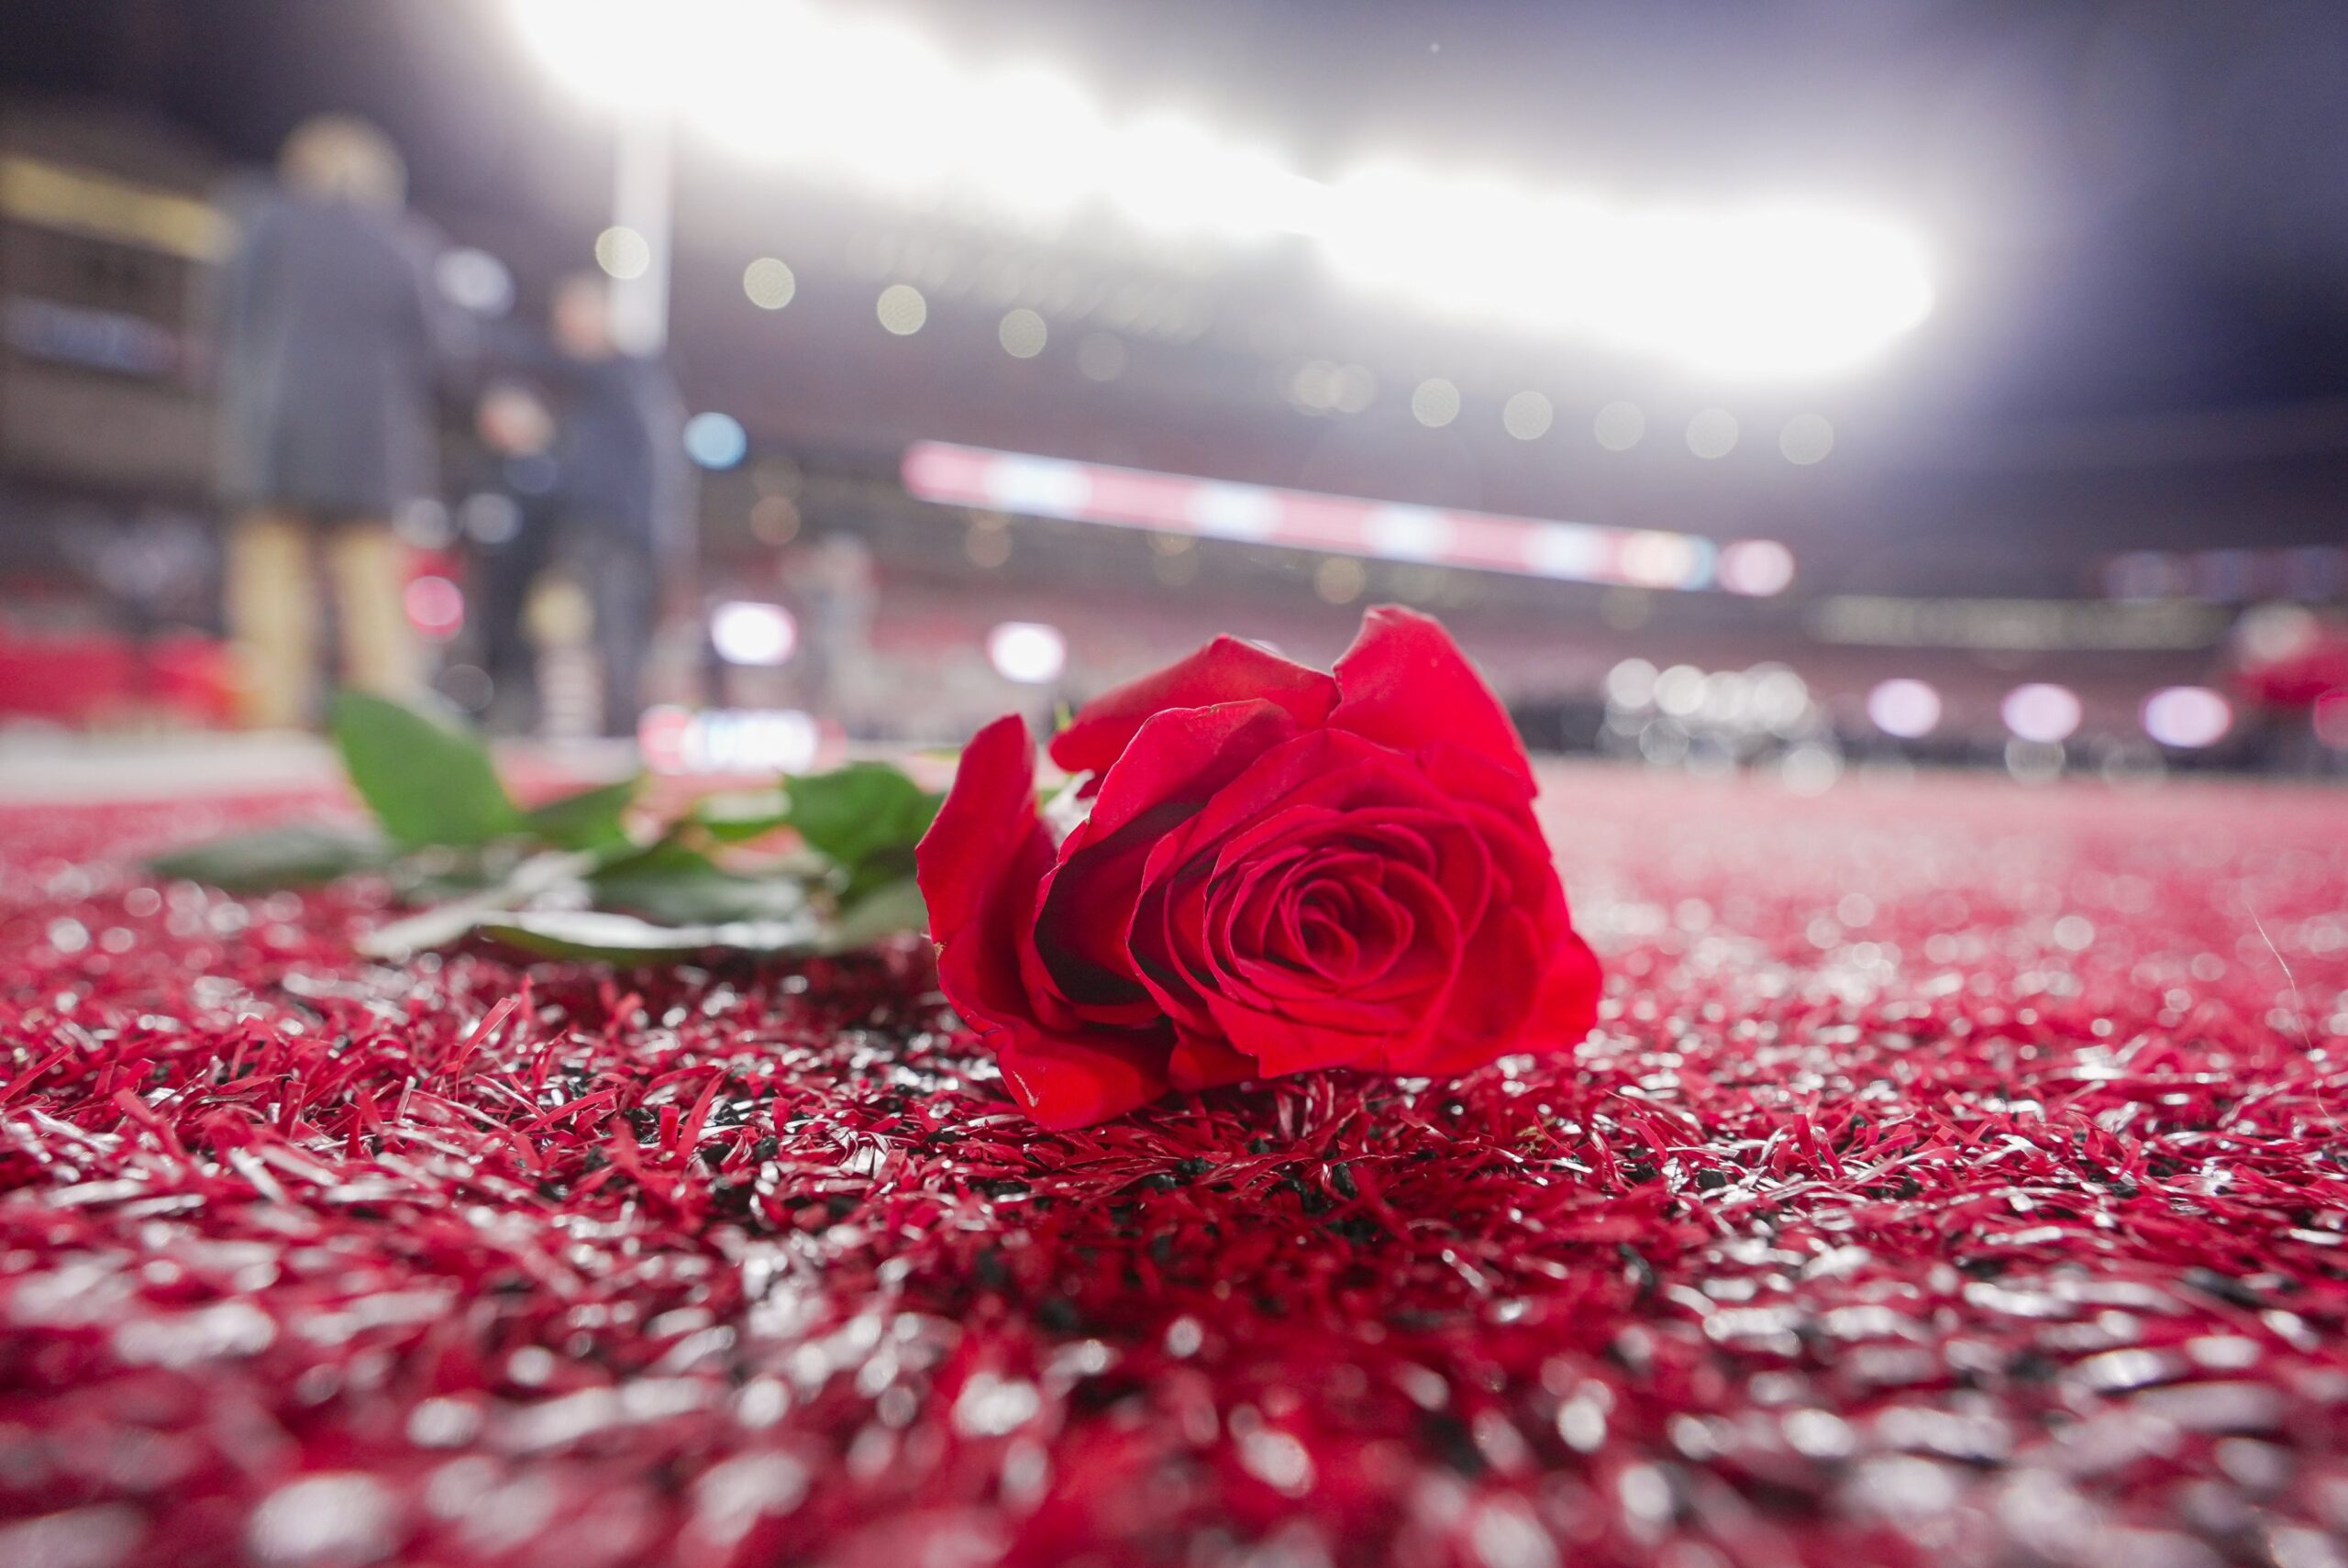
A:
(891, 909)
(866, 818)
(427, 782)
(742, 815)
(558, 876)
(301, 854)
(623, 939)
(678, 884)
(591, 818)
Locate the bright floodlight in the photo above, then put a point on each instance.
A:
(747, 632)
(716, 440)
(618, 50)
(1776, 290)
(1772, 289)
(2041, 712)
(1171, 175)
(2187, 717)
(1907, 709)
(1027, 651)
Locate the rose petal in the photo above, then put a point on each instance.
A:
(979, 868)
(1064, 1082)
(1565, 1009)
(988, 819)
(1283, 1044)
(1079, 964)
(1198, 1062)
(1407, 685)
(1226, 671)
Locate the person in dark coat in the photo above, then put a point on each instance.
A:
(330, 346)
(623, 490)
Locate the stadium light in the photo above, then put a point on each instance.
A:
(1766, 290)
(1028, 652)
(2186, 718)
(746, 631)
(1909, 709)
(2042, 713)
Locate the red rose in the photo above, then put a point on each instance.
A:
(1281, 870)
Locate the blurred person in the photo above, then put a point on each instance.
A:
(517, 426)
(623, 491)
(330, 345)
(836, 581)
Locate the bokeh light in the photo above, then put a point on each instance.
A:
(623, 252)
(1755, 568)
(2186, 718)
(2270, 634)
(1619, 426)
(1339, 580)
(774, 520)
(1679, 691)
(435, 605)
(988, 543)
(769, 283)
(1809, 768)
(1630, 684)
(1028, 652)
(676, 740)
(2331, 719)
(744, 632)
(716, 440)
(1712, 434)
(1651, 558)
(1905, 708)
(1023, 334)
(473, 280)
(1434, 403)
(1806, 439)
(1528, 415)
(2042, 712)
(901, 309)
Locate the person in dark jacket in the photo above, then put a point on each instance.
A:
(331, 346)
(621, 486)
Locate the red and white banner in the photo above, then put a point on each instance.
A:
(1307, 520)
